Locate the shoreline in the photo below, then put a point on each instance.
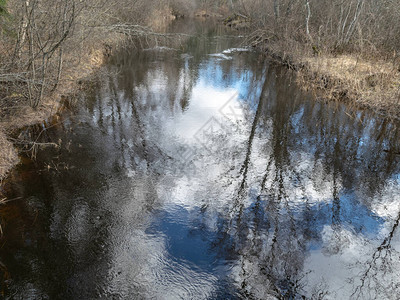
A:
(82, 65)
(358, 82)
(52, 105)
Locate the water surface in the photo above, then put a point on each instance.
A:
(201, 171)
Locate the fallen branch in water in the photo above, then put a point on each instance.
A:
(139, 30)
(5, 200)
(33, 144)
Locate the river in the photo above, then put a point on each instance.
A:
(202, 171)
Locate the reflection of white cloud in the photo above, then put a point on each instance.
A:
(386, 203)
(204, 104)
(294, 180)
(315, 184)
(139, 262)
(344, 261)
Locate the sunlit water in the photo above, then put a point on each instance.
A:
(200, 171)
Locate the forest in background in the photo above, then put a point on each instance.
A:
(368, 27)
(346, 50)
(41, 39)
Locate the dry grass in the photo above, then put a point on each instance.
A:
(81, 61)
(76, 70)
(160, 18)
(361, 82)
(77, 66)
(8, 155)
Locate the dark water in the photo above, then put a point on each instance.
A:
(203, 172)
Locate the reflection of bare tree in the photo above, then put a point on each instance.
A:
(378, 267)
(260, 236)
(300, 164)
(245, 166)
(271, 237)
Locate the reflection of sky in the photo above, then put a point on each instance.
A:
(212, 74)
(204, 104)
(355, 220)
(188, 242)
(214, 89)
(187, 239)
(352, 216)
(188, 245)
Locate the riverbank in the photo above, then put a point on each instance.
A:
(85, 53)
(76, 70)
(359, 81)
(364, 83)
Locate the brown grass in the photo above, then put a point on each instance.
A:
(78, 66)
(361, 82)
(80, 63)
(8, 156)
